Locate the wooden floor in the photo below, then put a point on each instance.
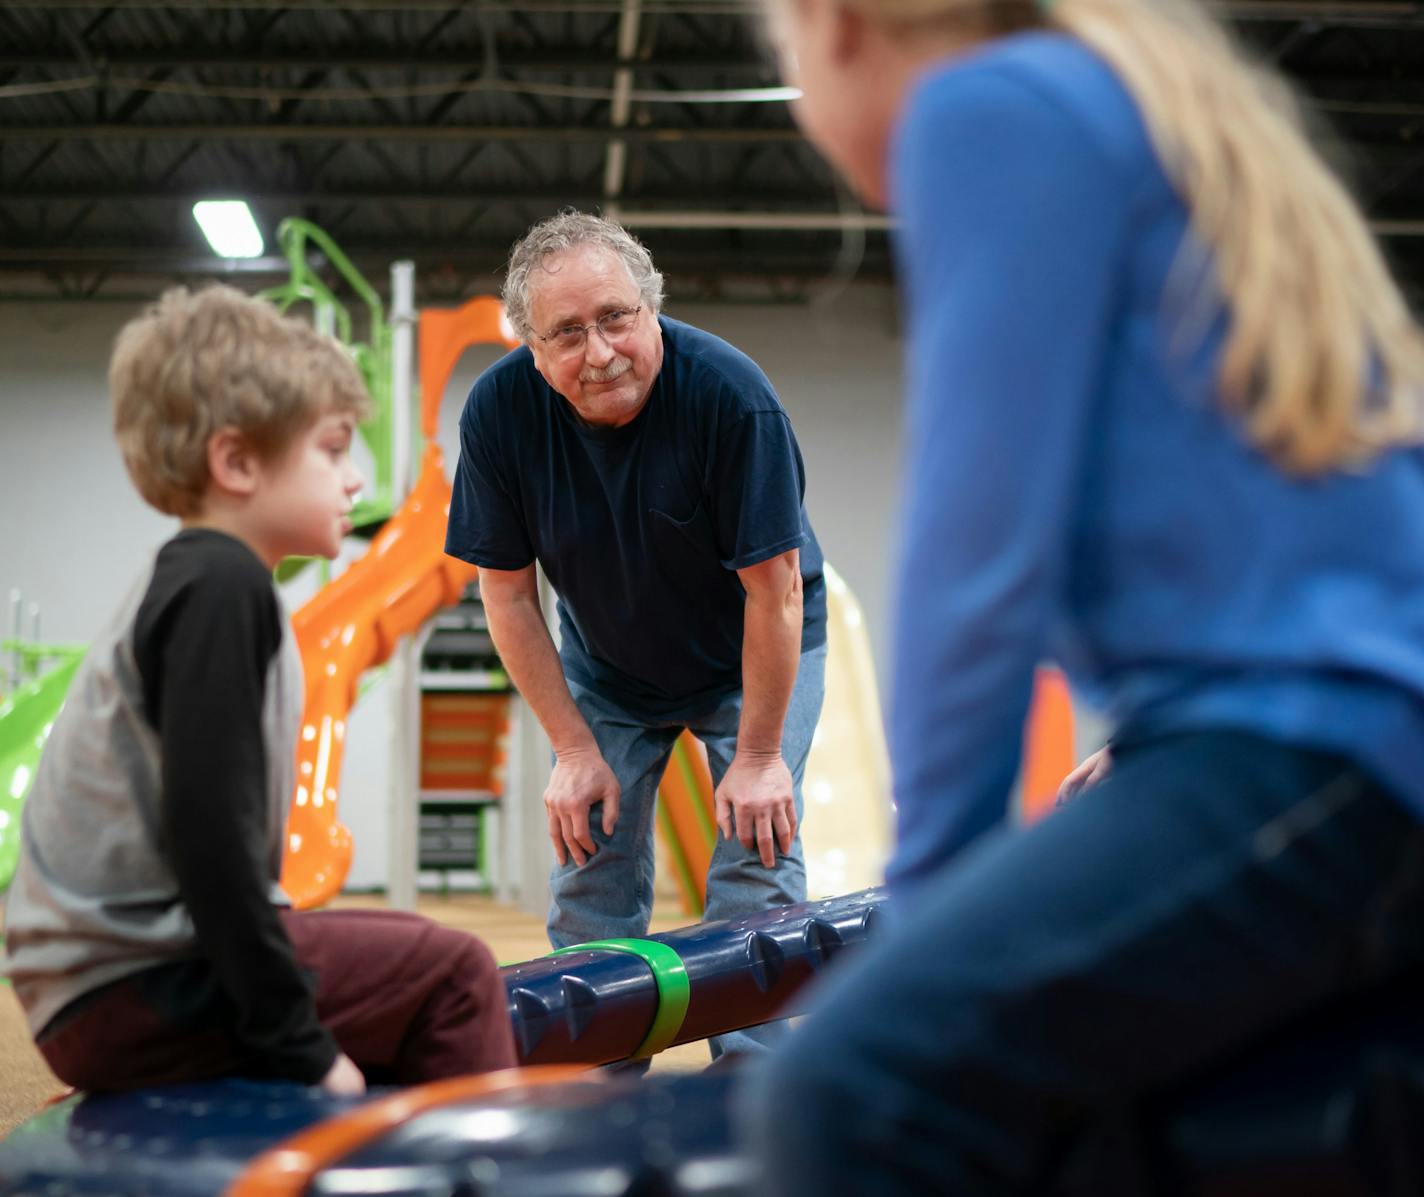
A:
(512, 935)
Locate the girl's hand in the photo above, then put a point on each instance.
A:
(1085, 776)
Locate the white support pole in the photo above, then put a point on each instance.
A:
(524, 840)
(403, 371)
(16, 669)
(405, 660)
(508, 874)
(527, 854)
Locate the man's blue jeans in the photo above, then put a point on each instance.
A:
(1216, 887)
(612, 895)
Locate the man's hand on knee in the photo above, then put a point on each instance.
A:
(756, 802)
(580, 780)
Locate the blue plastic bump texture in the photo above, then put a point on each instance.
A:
(177, 1141)
(663, 1136)
(623, 1137)
(596, 1007)
(1334, 1109)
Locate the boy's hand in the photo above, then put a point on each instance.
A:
(580, 780)
(1086, 775)
(343, 1078)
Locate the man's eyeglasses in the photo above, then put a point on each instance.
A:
(571, 338)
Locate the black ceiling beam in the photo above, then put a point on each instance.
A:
(1370, 13)
(739, 9)
(570, 59)
(691, 286)
(260, 194)
(1344, 11)
(673, 65)
(391, 132)
(1384, 223)
(369, 256)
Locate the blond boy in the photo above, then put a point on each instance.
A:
(148, 939)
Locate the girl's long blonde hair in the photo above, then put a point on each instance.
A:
(1322, 361)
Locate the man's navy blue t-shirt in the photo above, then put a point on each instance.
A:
(640, 529)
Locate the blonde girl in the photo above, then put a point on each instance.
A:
(1162, 424)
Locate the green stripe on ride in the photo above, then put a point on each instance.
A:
(689, 779)
(670, 976)
(680, 864)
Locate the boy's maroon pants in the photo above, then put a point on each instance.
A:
(407, 999)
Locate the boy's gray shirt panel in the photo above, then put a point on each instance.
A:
(93, 897)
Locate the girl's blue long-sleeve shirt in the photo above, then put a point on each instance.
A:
(1075, 489)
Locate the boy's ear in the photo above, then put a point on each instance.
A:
(837, 26)
(848, 29)
(233, 465)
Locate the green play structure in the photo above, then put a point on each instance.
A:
(26, 716)
(372, 357)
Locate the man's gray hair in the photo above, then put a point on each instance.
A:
(569, 230)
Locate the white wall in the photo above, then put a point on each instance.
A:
(72, 530)
(837, 370)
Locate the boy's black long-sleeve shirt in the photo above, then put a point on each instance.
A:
(155, 827)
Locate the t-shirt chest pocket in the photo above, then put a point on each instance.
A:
(681, 533)
(686, 545)
(676, 502)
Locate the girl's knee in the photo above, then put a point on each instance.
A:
(786, 1116)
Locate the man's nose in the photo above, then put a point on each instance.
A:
(598, 350)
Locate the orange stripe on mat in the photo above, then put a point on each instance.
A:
(289, 1168)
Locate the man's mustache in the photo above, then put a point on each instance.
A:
(618, 367)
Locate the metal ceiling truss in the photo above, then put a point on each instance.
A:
(440, 130)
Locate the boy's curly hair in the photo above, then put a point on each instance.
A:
(199, 361)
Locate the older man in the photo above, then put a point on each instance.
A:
(651, 470)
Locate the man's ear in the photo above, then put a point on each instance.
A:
(233, 465)
(541, 361)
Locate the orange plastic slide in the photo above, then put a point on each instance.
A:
(354, 623)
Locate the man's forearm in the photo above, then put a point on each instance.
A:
(521, 637)
(771, 653)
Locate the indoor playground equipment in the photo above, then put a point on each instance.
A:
(631, 998)
(38, 678)
(373, 357)
(26, 716)
(355, 622)
(1328, 1112)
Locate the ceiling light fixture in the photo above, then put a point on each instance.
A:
(229, 228)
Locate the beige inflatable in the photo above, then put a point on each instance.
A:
(846, 830)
